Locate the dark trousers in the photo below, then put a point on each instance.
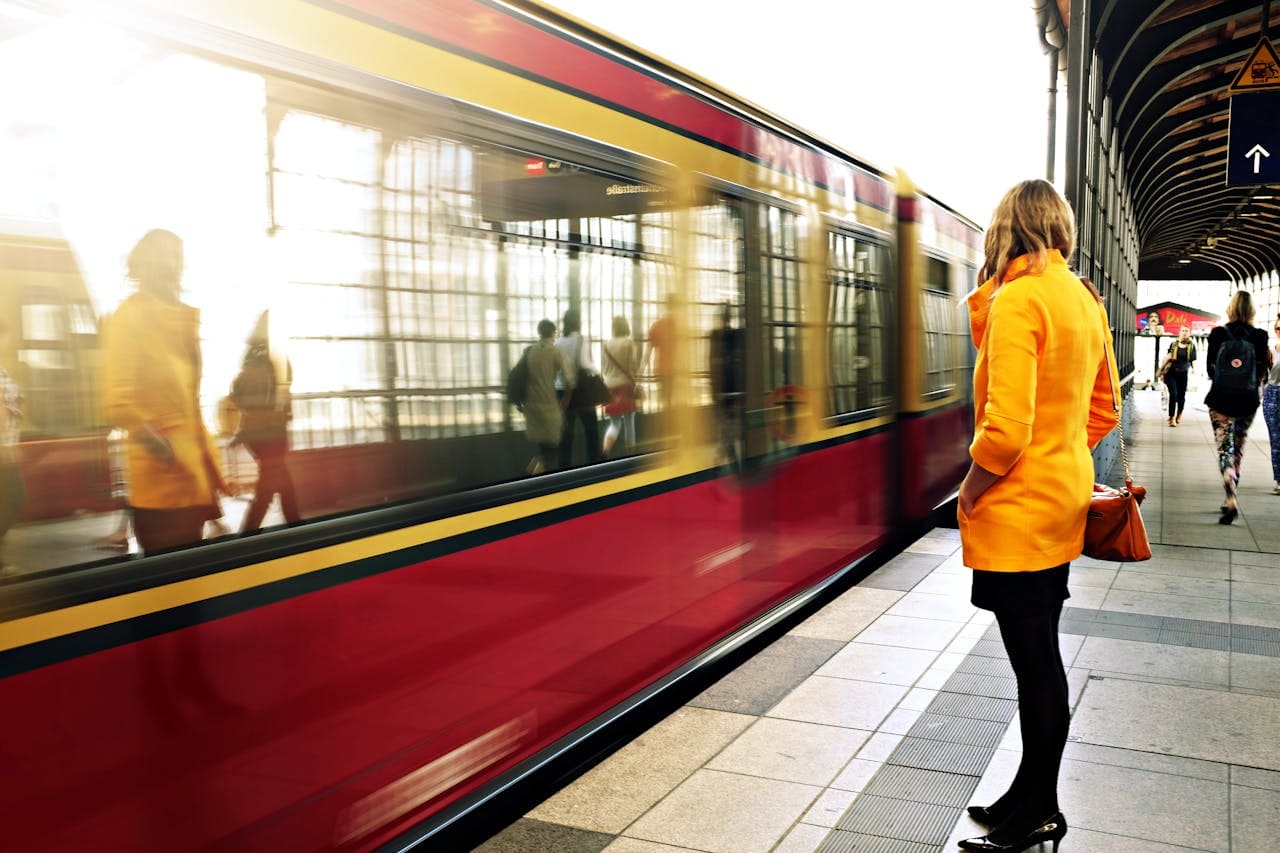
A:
(1031, 640)
(273, 478)
(590, 429)
(1177, 382)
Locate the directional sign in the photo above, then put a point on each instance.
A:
(1253, 139)
(1260, 71)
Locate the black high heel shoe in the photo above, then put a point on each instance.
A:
(1052, 830)
(991, 815)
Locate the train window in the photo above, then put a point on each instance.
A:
(858, 318)
(719, 277)
(780, 285)
(944, 333)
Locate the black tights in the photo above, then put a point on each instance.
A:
(1031, 641)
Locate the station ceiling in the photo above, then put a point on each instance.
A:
(1167, 66)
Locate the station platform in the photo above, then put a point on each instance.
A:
(870, 726)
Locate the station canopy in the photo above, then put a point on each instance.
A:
(1170, 66)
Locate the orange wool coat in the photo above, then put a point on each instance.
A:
(1042, 403)
(151, 372)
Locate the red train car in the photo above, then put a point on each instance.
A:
(408, 189)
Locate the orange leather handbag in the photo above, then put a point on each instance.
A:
(1114, 530)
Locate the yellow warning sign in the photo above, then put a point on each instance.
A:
(1261, 70)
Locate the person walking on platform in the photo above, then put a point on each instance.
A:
(1238, 363)
(1178, 363)
(575, 347)
(1271, 408)
(13, 491)
(1042, 400)
(151, 372)
(261, 391)
(543, 408)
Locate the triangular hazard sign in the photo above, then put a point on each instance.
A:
(1261, 70)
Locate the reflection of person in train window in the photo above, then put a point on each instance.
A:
(151, 368)
(727, 368)
(261, 393)
(658, 355)
(13, 493)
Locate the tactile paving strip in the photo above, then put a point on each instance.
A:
(973, 707)
(900, 819)
(840, 841)
(981, 685)
(923, 786)
(961, 730)
(936, 755)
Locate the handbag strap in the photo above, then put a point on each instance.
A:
(1115, 397)
(625, 372)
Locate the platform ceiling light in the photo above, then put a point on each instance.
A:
(1184, 261)
(1267, 197)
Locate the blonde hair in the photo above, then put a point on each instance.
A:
(1240, 308)
(155, 258)
(1031, 219)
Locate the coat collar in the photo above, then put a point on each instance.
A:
(980, 299)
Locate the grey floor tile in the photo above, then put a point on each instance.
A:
(1153, 659)
(790, 750)
(1256, 574)
(1230, 728)
(840, 702)
(1252, 777)
(762, 681)
(615, 792)
(1255, 672)
(726, 813)
(1168, 584)
(1249, 613)
(1254, 558)
(949, 608)
(525, 835)
(883, 664)
(903, 572)
(635, 845)
(1188, 607)
(1174, 765)
(1255, 818)
(1143, 804)
(804, 838)
(1257, 593)
(910, 633)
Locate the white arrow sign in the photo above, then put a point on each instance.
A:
(1257, 152)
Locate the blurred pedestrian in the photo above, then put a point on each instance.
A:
(659, 354)
(543, 407)
(13, 490)
(1271, 407)
(261, 392)
(1179, 361)
(727, 367)
(1238, 363)
(118, 539)
(151, 368)
(1043, 385)
(577, 354)
(619, 367)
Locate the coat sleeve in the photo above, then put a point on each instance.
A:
(1102, 402)
(1013, 338)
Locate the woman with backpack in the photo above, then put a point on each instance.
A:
(1238, 363)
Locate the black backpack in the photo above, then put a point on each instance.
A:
(518, 380)
(1235, 368)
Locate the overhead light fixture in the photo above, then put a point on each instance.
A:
(1184, 261)
(1249, 214)
(1263, 197)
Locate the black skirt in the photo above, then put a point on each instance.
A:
(1044, 589)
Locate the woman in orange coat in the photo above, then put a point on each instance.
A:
(1042, 390)
(151, 355)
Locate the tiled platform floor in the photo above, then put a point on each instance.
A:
(871, 725)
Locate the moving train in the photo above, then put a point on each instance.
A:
(409, 188)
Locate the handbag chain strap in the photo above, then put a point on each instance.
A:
(1115, 397)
